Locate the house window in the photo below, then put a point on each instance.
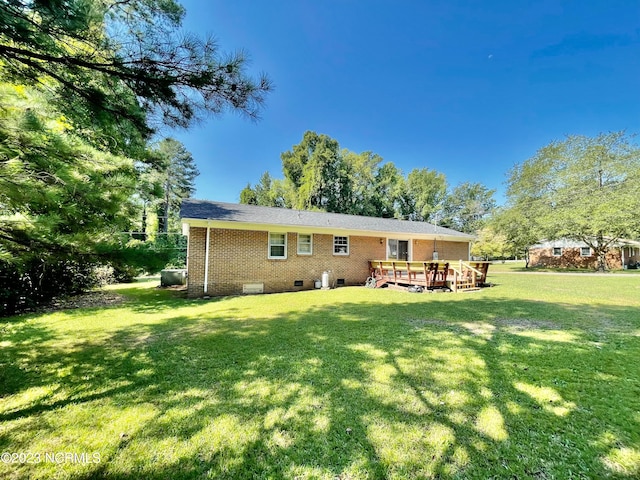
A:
(305, 244)
(585, 251)
(557, 251)
(341, 245)
(278, 245)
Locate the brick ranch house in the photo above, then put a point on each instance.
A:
(567, 253)
(235, 248)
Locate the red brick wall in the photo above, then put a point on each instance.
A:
(571, 258)
(195, 261)
(423, 250)
(239, 257)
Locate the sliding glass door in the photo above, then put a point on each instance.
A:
(397, 249)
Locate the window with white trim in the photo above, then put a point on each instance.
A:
(278, 245)
(340, 245)
(585, 251)
(305, 244)
(557, 251)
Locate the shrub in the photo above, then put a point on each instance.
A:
(26, 285)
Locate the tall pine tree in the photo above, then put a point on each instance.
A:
(177, 172)
(112, 65)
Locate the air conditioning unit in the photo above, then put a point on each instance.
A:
(173, 276)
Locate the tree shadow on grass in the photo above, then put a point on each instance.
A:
(471, 388)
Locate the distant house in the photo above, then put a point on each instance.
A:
(566, 253)
(236, 248)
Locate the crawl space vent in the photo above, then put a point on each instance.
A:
(253, 288)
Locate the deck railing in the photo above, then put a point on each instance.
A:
(453, 275)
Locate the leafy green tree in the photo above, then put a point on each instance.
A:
(149, 191)
(467, 207)
(428, 189)
(269, 192)
(491, 244)
(519, 227)
(362, 168)
(177, 172)
(111, 63)
(582, 188)
(264, 190)
(248, 195)
(319, 174)
(295, 160)
(389, 191)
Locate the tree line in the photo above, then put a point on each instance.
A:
(579, 188)
(319, 175)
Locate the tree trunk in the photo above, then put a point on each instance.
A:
(143, 232)
(601, 252)
(166, 208)
(602, 260)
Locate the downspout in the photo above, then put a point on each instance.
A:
(206, 261)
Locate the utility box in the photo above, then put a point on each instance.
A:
(173, 276)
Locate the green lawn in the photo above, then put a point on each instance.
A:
(537, 377)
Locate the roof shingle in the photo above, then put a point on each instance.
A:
(233, 212)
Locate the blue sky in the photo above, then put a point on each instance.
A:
(467, 88)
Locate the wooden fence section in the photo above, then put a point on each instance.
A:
(453, 276)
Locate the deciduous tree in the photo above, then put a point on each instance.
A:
(389, 188)
(491, 244)
(428, 189)
(468, 206)
(318, 172)
(321, 176)
(582, 188)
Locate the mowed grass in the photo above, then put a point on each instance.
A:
(537, 377)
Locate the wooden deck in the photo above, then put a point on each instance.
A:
(453, 276)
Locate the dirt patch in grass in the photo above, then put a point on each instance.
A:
(419, 323)
(525, 323)
(85, 300)
(480, 328)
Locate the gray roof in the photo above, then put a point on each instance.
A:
(234, 212)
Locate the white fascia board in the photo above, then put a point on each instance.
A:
(265, 227)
